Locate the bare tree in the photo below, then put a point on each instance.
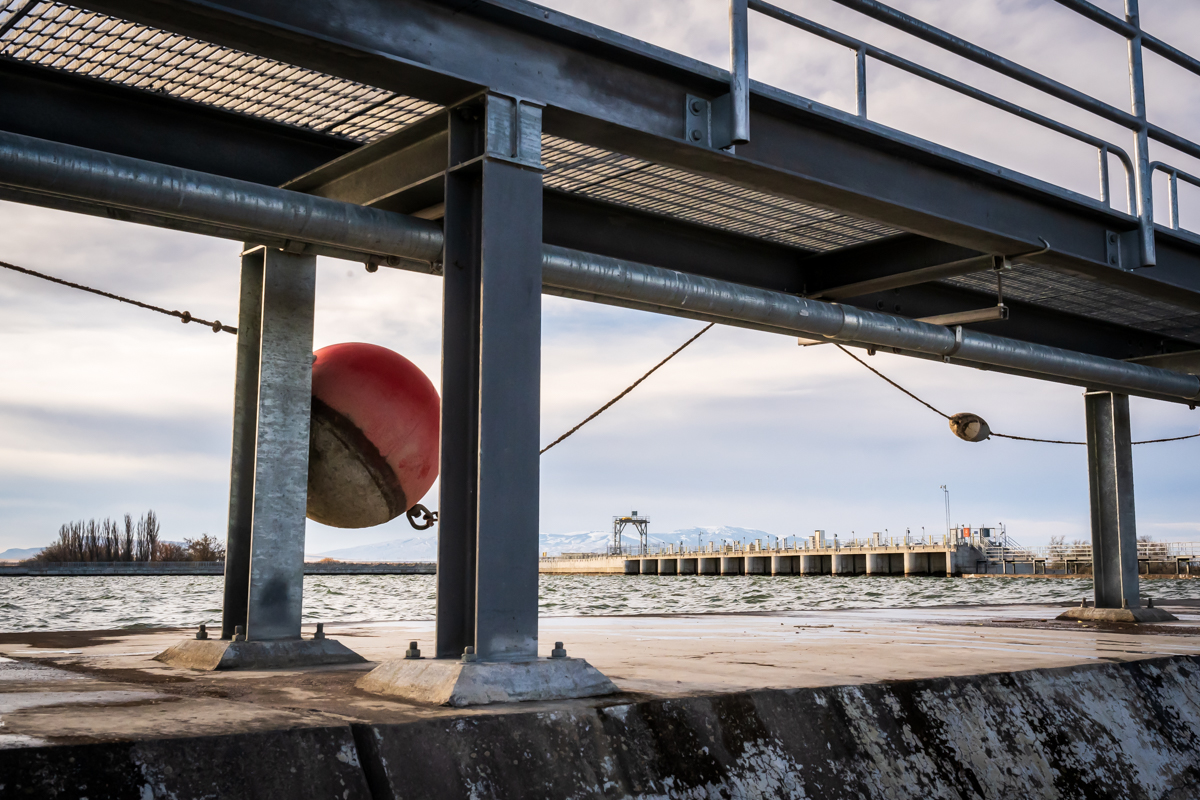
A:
(127, 537)
(107, 540)
(205, 548)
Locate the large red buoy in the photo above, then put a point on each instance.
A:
(374, 447)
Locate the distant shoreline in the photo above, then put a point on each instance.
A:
(148, 568)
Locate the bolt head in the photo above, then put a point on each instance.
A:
(696, 135)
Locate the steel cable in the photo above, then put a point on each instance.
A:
(994, 433)
(218, 327)
(628, 389)
(184, 316)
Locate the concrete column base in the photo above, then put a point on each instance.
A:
(211, 654)
(447, 682)
(1118, 615)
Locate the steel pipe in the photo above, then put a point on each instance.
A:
(587, 274)
(77, 173)
(161, 195)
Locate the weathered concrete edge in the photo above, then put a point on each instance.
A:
(1128, 729)
(286, 763)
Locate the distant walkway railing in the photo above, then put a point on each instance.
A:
(1147, 551)
(790, 544)
(1139, 170)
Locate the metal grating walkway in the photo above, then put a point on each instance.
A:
(1087, 298)
(86, 43)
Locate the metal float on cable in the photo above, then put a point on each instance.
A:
(970, 427)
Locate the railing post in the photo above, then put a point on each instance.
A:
(739, 70)
(1173, 190)
(1144, 173)
(860, 80)
(1105, 181)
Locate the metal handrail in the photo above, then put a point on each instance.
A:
(1083, 552)
(863, 50)
(1174, 174)
(998, 63)
(1138, 178)
(1118, 25)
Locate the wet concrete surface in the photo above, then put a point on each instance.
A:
(95, 673)
(980, 702)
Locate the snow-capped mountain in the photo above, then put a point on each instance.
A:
(424, 548)
(19, 553)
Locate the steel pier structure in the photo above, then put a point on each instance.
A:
(516, 151)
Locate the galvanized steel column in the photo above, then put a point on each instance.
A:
(245, 433)
(491, 373)
(455, 615)
(281, 448)
(1110, 482)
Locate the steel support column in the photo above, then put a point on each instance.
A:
(491, 363)
(245, 433)
(1110, 482)
(264, 571)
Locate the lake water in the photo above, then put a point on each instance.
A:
(109, 602)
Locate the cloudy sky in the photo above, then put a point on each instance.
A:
(106, 409)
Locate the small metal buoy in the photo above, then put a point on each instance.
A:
(203, 632)
(469, 654)
(558, 651)
(970, 427)
(320, 634)
(412, 651)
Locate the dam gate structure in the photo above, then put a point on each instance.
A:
(514, 151)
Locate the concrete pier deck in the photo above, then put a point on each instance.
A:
(84, 690)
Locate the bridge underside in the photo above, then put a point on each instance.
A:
(819, 203)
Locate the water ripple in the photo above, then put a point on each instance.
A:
(115, 602)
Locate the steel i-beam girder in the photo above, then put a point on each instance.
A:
(612, 91)
(189, 135)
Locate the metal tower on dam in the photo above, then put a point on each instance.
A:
(515, 151)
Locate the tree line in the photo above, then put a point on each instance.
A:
(111, 540)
